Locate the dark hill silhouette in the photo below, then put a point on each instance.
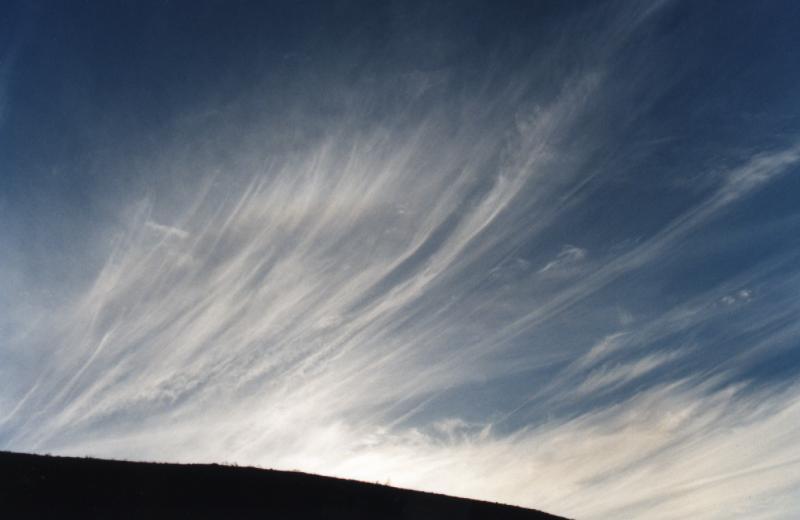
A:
(38, 486)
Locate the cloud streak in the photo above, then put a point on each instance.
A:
(400, 296)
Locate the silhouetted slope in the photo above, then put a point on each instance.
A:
(36, 486)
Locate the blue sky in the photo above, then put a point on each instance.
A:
(539, 253)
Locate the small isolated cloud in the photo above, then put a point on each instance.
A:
(741, 296)
(166, 230)
(569, 256)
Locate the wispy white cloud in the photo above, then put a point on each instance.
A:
(672, 451)
(274, 327)
(568, 256)
(609, 377)
(314, 313)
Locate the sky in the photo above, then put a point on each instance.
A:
(542, 253)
